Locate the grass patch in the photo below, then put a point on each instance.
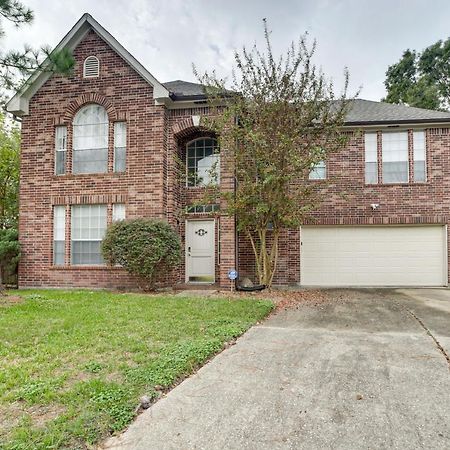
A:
(73, 364)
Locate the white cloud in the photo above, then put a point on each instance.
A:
(167, 36)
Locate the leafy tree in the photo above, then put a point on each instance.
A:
(9, 253)
(14, 65)
(277, 122)
(146, 248)
(421, 79)
(9, 173)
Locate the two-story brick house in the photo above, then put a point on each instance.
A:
(105, 144)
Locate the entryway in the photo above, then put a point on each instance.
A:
(200, 254)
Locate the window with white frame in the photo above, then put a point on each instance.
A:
(59, 235)
(90, 140)
(371, 158)
(87, 231)
(319, 171)
(203, 162)
(120, 146)
(395, 157)
(60, 150)
(419, 147)
(118, 212)
(91, 67)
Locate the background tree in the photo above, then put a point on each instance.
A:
(9, 173)
(146, 248)
(421, 79)
(15, 65)
(9, 254)
(283, 120)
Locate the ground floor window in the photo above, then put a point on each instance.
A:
(87, 231)
(59, 235)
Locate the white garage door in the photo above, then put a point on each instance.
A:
(374, 256)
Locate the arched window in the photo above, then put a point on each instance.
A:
(203, 162)
(91, 67)
(90, 140)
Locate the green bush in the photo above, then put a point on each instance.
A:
(146, 248)
(9, 253)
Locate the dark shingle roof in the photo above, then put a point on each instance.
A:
(184, 90)
(361, 112)
(365, 112)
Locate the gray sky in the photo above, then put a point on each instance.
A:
(168, 36)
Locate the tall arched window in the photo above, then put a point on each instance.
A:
(202, 162)
(90, 140)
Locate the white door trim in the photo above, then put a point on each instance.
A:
(186, 252)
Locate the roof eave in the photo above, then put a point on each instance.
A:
(396, 122)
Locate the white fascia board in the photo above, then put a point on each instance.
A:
(18, 105)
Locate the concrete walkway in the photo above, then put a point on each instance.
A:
(367, 370)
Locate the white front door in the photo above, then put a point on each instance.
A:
(200, 245)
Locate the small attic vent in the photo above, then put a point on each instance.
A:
(91, 67)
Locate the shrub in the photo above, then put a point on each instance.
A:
(146, 248)
(9, 253)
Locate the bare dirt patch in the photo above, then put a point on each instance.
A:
(9, 300)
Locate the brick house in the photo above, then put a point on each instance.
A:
(103, 145)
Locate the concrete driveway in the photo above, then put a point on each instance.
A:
(368, 369)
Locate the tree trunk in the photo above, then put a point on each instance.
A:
(266, 259)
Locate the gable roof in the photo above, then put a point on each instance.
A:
(367, 112)
(18, 104)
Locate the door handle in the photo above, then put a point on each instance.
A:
(189, 251)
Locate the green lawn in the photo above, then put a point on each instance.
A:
(73, 364)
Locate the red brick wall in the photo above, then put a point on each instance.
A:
(347, 200)
(126, 96)
(150, 187)
(153, 186)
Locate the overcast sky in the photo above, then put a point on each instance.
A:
(167, 36)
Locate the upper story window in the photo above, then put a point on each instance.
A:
(90, 140)
(120, 146)
(395, 164)
(60, 150)
(420, 166)
(319, 171)
(91, 67)
(203, 162)
(395, 157)
(371, 158)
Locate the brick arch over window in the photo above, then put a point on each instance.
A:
(86, 99)
(186, 128)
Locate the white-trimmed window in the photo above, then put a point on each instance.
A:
(371, 158)
(59, 235)
(60, 150)
(118, 212)
(87, 231)
(203, 162)
(319, 171)
(91, 67)
(395, 157)
(90, 140)
(420, 166)
(120, 146)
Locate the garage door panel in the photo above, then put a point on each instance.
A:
(374, 256)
